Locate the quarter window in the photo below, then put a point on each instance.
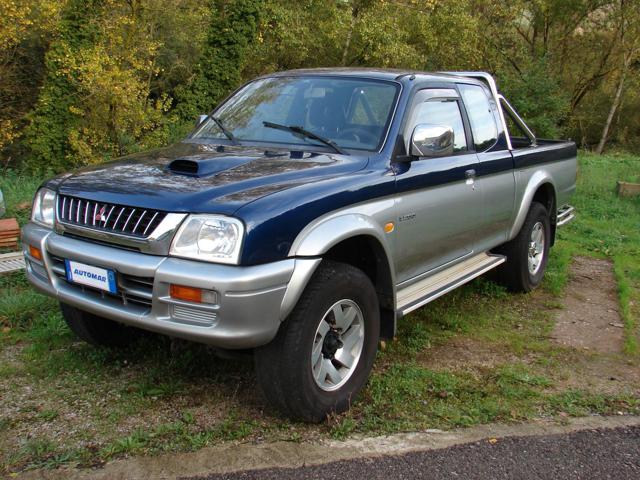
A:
(481, 116)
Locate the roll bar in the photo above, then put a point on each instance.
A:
(501, 103)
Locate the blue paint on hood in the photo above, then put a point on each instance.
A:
(226, 179)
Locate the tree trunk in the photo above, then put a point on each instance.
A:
(347, 43)
(612, 111)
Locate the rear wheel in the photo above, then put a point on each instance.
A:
(324, 351)
(527, 254)
(97, 330)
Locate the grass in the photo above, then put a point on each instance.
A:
(628, 298)
(18, 190)
(476, 355)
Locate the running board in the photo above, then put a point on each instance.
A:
(420, 293)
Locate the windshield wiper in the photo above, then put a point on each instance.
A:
(301, 132)
(224, 129)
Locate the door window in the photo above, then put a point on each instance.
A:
(444, 112)
(438, 107)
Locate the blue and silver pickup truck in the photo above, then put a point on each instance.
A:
(302, 218)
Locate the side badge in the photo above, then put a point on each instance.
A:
(407, 217)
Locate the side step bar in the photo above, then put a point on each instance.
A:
(420, 293)
(565, 215)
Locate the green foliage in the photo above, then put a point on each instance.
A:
(304, 34)
(26, 29)
(109, 81)
(82, 82)
(18, 190)
(53, 120)
(232, 29)
(538, 97)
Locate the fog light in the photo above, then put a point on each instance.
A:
(192, 294)
(35, 252)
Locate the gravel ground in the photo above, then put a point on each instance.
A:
(588, 454)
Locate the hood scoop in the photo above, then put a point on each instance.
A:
(205, 167)
(184, 167)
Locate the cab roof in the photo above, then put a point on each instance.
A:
(374, 73)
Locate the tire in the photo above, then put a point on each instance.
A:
(96, 330)
(285, 368)
(522, 273)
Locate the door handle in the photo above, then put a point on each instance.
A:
(470, 178)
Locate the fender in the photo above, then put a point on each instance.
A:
(320, 238)
(539, 177)
(325, 232)
(302, 272)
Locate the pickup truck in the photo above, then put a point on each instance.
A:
(301, 219)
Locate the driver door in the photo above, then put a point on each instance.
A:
(438, 201)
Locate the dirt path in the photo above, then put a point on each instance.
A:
(590, 319)
(588, 323)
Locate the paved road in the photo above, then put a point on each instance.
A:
(589, 454)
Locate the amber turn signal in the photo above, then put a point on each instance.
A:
(35, 252)
(193, 294)
(188, 294)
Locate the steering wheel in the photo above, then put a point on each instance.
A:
(360, 135)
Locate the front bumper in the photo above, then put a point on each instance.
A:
(251, 301)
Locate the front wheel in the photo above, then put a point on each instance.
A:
(324, 351)
(527, 254)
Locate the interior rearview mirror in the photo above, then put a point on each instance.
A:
(429, 140)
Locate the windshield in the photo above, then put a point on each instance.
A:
(352, 113)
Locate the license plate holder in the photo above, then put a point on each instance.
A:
(91, 276)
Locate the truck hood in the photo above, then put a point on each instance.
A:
(203, 178)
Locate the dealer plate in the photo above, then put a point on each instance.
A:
(96, 277)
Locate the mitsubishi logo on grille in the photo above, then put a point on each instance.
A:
(100, 215)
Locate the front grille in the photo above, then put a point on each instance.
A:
(108, 217)
(101, 242)
(132, 290)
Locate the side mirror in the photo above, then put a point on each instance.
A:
(429, 140)
(200, 119)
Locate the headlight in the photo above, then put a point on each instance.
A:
(211, 238)
(44, 207)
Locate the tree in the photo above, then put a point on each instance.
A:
(82, 81)
(421, 35)
(51, 122)
(109, 80)
(629, 50)
(232, 29)
(550, 56)
(114, 111)
(13, 26)
(304, 34)
(25, 32)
